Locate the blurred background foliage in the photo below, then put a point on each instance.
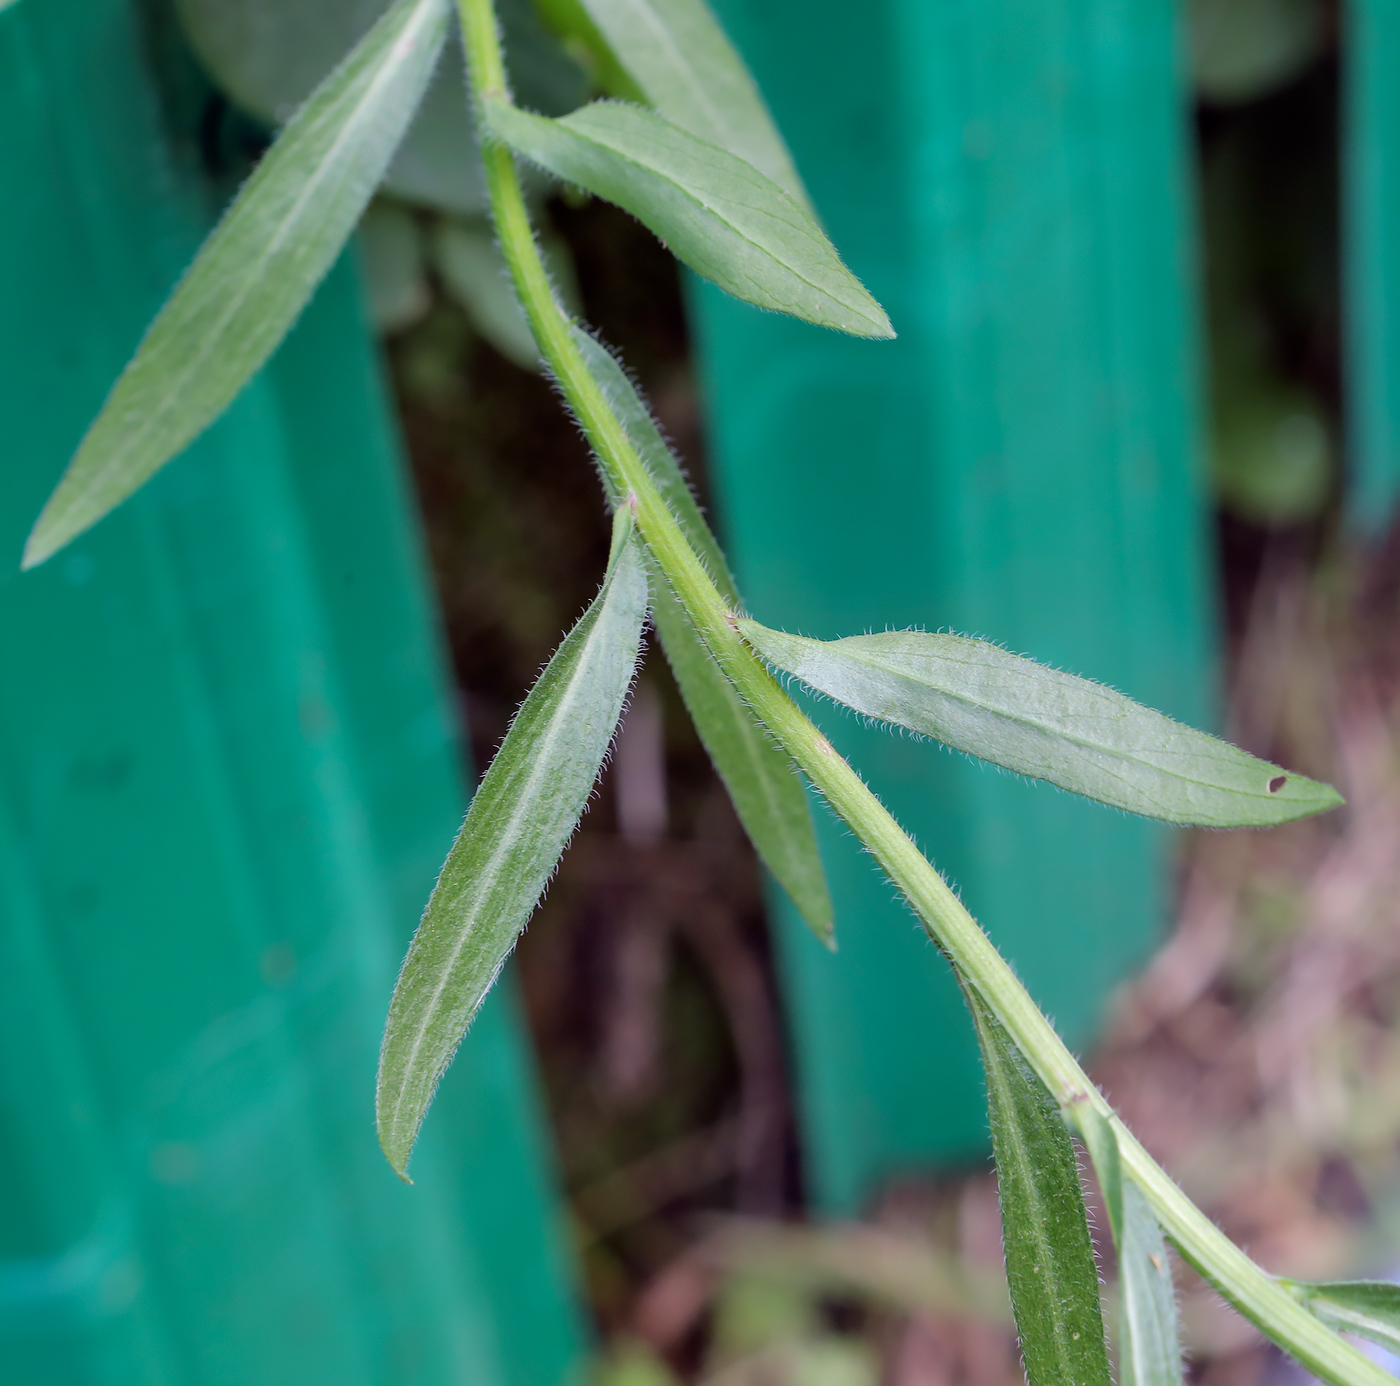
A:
(1258, 1056)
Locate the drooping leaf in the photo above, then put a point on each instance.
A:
(1149, 1349)
(718, 214)
(1370, 1308)
(1037, 721)
(762, 782)
(255, 272)
(688, 71)
(521, 817)
(1049, 1258)
(392, 265)
(759, 775)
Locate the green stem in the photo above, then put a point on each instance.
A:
(952, 928)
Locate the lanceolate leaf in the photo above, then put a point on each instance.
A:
(254, 274)
(1149, 1349)
(761, 779)
(688, 70)
(520, 820)
(1370, 1308)
(1086, 738)
(720, 215)
(1049, 1258)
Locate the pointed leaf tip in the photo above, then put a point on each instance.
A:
(715, 212)
(254, 273)
(1048, 725)
(520, 820)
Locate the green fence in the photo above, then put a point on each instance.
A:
(1011, 180)
(1371, 212)
(228, 774)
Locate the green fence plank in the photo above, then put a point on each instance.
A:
(1009, 178)
(1371, 160)
(228, 772)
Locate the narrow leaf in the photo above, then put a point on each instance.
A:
(521, 818)
(1049, 725)
(688, 71)
(1149, 1348)
(1049, 1258)
(1370, 1308)
(254, 274)
(761, 779)
(718, 214)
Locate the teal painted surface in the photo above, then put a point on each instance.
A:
(1371, 154)
(228, 773)
(1009, 178)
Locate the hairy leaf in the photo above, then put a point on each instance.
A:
(255, 272)
(1086, 738)
(718, 214)
(688, 70)
(1149, 1349)
(661, 463)
(759, 775)
(1370, 1308)
(522, 816)
(1049, 1257)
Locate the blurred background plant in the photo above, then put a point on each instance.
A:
(1257, 1056)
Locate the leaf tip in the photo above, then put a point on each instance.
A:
(42, 543)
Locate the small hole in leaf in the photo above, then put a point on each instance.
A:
(1277, 783)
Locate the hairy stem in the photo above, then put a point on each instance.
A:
(952, 928)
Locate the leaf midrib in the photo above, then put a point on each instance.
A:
(388, 70)
(490, 872)
(1080, 741)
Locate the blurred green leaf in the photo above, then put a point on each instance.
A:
(632, 1363)
(468, 257)
(1037, 721)
(761, 779)
(570, 22)
(391, 255)
(269, 55)
(1149, 1349)
(520, 820)
(689, 72)
(255, 272)
(1244, 49)
(715, 212)
(1370, 1308)
(1272, 452)
(1049, 1258)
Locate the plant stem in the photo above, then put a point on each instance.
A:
(952, 928)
